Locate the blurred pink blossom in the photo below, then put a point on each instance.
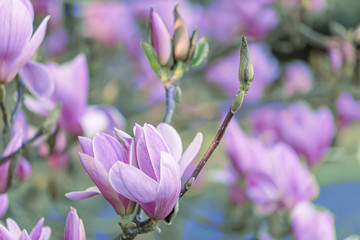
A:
(4, 200)
(310, 223)
(348, 109)
(340, 52)
(297, 78)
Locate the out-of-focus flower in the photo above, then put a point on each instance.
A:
(3, 204)
(152, 177)
(56, 42)
(298, 78)
(311, 5)
(13, 232)
(279, 181)
(348, 109)
(224, 72)
(226, 20)
(18, 46)
(23, 169)
(237, 194)
(101, 22)
(74, 227)
(14, 144)
(52, 8)
(309, 132)
(160, 38)
(309, 223)
(340, 52)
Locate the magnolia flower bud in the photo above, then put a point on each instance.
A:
(181, 37)
(74, 227)
(246, 70)
(23, 169)
(160, 38)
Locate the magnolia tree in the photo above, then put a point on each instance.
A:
(144, 174)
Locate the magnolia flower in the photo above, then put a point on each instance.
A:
(74, 227)
(13, 232)
(279, 180)
(160, 38)
(309, 223)
(298, 78)
(3, 204)
(348, 109)
(152, 177)
(18, 46)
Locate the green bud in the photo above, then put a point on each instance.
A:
(200, 54)
(178, 94)
(246, 69)
(192, 44)
(181, 37)
(236, 105)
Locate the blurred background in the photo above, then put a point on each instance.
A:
(303, 51)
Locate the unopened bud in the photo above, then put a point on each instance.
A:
(160, 38)
(193, 44)
(23, 169)
(236, 105)
(181, 37)
(246, 69)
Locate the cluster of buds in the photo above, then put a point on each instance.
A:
(170, 57)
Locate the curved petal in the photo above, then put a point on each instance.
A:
(172, 139)
(79, 195)
(13, 228)
(29, 50)
(45, 234)
(36, 232)
(169, 186)
(191, 152)
(23, 169)
(24, 236)
(37, 78)
(86, 146)
(5, 234)
(14, 144)
(72, 226)
(132, 183)
(41, 106)
(108, 150)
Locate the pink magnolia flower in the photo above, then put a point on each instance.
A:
(152, 176)
(17, 46)
(309, 132)
(279, 181)
(74, 227)
(13, 232)
(224, 72)
(3, 204)
(309, 223)
(348, 109)
(298, 78)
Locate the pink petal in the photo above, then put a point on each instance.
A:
(14, 144)
(86, 146)
(45, 234)
(108, 150)
(40, 106)
(5, 234)
(72, 226)
(172, 139)
(4, 176)
(13, 228)
(36, 232)
(29, 50)
(37, 78)
(24, 236)
(132, 183)
(169, 186)
(3, 203)
(79, 195)
(23, 169)
(191, 152)
(124, 137)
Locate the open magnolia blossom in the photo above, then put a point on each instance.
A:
(13, 232)
(145, 169)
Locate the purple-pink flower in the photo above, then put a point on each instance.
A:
(310, 223)
(154, 178)
(74, 227)
(18, 45)
(297, 78)
(348, 109)
(13, 232)
(224, 72)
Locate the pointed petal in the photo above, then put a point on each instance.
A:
(13, 228)
(5, 234)
(72, 226)
(132, 183)
(86, 146)
(14, 144)
(36, 232)
(4, 200)
(169, 186)
(41, 106)
(88, 193)
(191, 152)
(37, 79)
(23, 169)
(108, 150)
(29, 50)
(172, 139)
(24, 236)
(126, 138)
(45, 234)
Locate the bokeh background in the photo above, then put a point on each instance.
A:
(302, 50)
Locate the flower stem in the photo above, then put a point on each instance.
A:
(208, 153)
(170, 103)
(20, 93)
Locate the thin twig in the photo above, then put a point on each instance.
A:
(170, 103)
(20, 93)
(208, 153)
